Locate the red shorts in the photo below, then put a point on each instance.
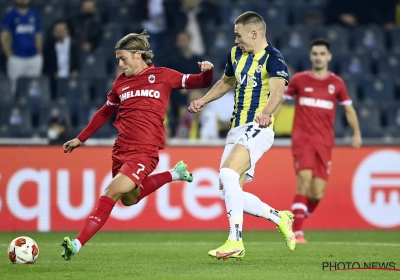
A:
(136, 161)
(314, 157)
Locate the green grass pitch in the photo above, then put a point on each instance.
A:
(183, 255)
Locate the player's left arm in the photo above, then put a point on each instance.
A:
(351, 114)
(192, 81)
(352, 120)
(38, 36)
(39, 42)
(278, 79)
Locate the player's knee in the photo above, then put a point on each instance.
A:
(227, 175)
(128, 202)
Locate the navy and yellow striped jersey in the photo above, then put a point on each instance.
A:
(252, 73)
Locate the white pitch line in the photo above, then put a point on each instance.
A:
(247, 243)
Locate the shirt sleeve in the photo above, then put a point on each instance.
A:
(343, 96)
(229, 67)
(292, 89)
(277, 68)
(176, 79)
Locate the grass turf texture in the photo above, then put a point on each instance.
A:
(183, 255)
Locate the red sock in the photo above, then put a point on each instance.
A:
(311, 205)
(153, 183)
(299, 209)
(96, 219)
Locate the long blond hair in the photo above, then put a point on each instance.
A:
(134, 42)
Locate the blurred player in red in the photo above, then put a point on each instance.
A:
(141, 96)
(316, 92)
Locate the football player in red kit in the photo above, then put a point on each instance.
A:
(141, 96)
(316, 92)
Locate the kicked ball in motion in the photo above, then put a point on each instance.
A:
(23, 250)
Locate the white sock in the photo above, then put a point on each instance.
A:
(255, 207)
(234, 202)
(174, 175)
(78, 245)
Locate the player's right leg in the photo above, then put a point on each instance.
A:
(236, 163)
(300, 202)
(120, 185)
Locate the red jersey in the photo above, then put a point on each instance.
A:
(143, 100)
(315, 106)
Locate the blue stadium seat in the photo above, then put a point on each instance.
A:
(33, 91)
(368, 38)
(230, 11)
(369, 117)
(222, 41)
(307, 13)
(71, 7)
(395, 40)
(86, 112)
(378, 90)
(275, 15)
(49, 13)
(51, 110)
(338, 125)
(101, 89)
(354, 65)
(392, 119)
(388, 65)
(92, 65)
(338, 36)
(295, 39)
(352, 86)
(15, 120)
(71, 90)
(295, 60)
(112, 32)
(121, 13)
(7, 97)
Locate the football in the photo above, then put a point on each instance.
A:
(23, 250)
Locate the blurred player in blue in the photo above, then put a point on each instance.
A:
(260, 73)
(21, 39)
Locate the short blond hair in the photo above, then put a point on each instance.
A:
(134, 42)
(252, 18)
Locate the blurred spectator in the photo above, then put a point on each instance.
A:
(154, 22)
(15, 122)
(188, 126)
(192, 16)
(216, 117)
(57, 131)
(21, 39)
(86, 26)
(183, 61)
(61, 53)
(352, 14)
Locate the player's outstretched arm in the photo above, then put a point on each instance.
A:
(71, 145)
(98, 120)
(202, 80)
(217, 91)
(352, 120)
(277, 87)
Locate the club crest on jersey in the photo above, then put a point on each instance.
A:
(152, 79)
(331, 89)
(259, 68)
